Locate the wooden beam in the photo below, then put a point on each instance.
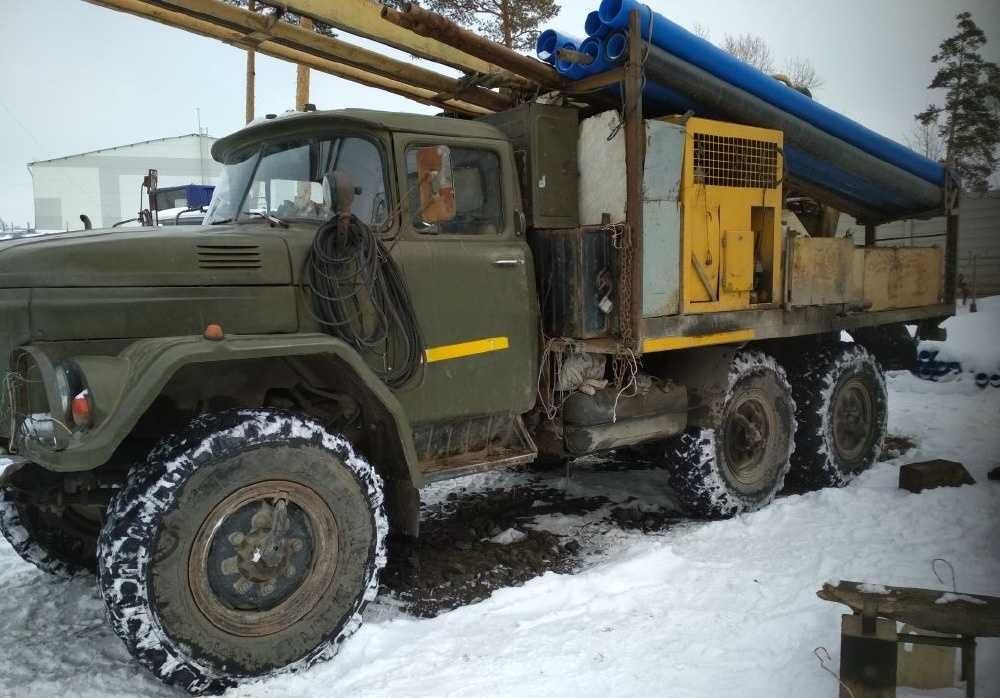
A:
(362, 18)
(249, 98)
(302, 75)
(430, 24)
(635, 155)
(255, 26)
(145, 10)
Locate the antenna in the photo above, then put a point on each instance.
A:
(201, 150)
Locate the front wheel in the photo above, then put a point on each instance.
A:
(244, 547)
(739, 464)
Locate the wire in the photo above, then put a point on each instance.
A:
(359, 295)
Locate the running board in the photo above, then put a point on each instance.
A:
(516, 447)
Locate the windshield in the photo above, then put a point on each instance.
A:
(296, 179)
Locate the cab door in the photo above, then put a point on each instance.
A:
(472, 284)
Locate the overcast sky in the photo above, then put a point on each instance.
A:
(76, 77)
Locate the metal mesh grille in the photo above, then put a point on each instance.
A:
(735, 162)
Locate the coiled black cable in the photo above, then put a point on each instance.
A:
(359, 295)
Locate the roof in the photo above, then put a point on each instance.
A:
(291, 122)
(119, 147)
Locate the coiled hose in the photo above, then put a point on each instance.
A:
(359, 295)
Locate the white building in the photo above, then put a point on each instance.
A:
(104, 184)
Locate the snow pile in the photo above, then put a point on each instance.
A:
(972, 346)
(511, 535)
(699, 609)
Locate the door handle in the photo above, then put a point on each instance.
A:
(507, 262)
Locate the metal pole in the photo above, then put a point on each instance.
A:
(973, 308)
(201, 150)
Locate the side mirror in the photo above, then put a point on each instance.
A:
(436, 184)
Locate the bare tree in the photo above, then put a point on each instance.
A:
(925, 139)
(513, 23)
(750, 49)
(801, 73)
(702, 31)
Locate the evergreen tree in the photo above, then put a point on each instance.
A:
(969, 122)
(513, 23)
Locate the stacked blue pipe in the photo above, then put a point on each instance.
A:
(872, 170)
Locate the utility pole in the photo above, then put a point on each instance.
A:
(251, 71)
(302, 76)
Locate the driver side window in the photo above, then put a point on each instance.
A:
(478, 193)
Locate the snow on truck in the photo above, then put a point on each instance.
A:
(228, 422)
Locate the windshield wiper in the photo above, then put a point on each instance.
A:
(266, 216)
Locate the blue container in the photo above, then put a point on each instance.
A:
(683, 44)
(615, 47)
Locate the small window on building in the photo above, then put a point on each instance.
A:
(476, 178)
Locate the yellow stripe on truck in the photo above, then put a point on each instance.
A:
(650, 346)
(457, 351)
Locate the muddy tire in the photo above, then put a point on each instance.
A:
(55, 540)
(246, 546)
(740, 464)
(841, 409)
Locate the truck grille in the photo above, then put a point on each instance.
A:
(727, 161)
(232, 256)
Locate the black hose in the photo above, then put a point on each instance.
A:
(360, 295)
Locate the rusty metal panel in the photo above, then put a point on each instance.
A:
(822, 271)
(902, 277)
(737, 260)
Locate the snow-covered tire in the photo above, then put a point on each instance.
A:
(47, 539)
(844, 382)
(246, 546)
(730, 468)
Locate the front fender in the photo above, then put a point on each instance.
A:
(124, 386)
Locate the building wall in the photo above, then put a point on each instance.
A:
(105, 184)
(978, 238)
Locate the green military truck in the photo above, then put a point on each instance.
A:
(228, 422)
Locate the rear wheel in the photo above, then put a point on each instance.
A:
(739, 464)
(842, 406)
(244, 547)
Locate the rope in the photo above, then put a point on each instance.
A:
(359, 295)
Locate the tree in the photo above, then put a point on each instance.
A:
(969, 121)
(802, 74)
(925, 139)
(513, 23)
(750, 49)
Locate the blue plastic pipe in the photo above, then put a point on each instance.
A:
(573, 71)
(615, 47)
(549, 41)
(594, 26)
(685, 45)
(594, 47)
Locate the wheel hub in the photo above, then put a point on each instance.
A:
(263, 557)
(746, 438)
(852, 419)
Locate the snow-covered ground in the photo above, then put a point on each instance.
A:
(699, 609)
